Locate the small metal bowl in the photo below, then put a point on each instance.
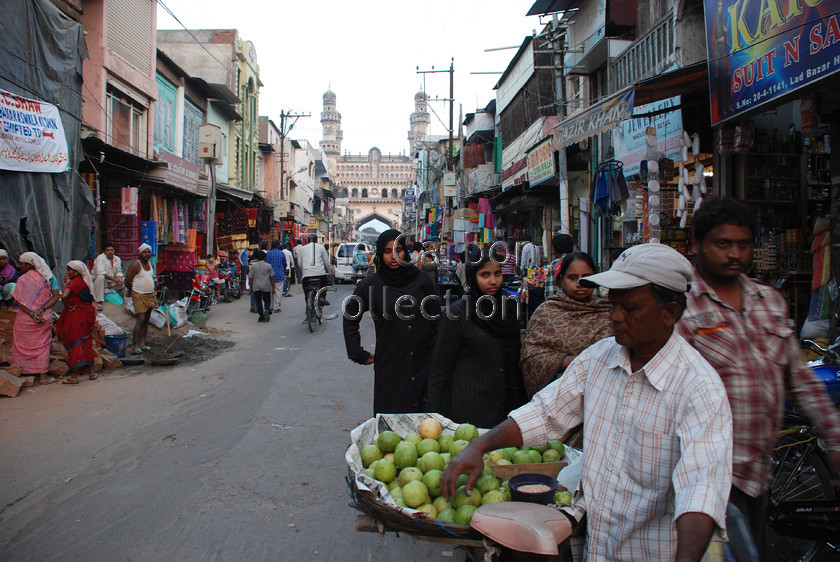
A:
(517, 481)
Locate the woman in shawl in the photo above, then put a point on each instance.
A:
(8, 276)
(75, 325)
(475, 376)
(405, 321)
(564, 325)
(36, 291)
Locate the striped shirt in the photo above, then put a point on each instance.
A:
(658, 444)
(757, 355)
(509, 265)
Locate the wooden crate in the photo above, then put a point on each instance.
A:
(505, 471)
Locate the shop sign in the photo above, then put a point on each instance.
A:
(760, 51)
(630, 136)
(540, 163)
(282, 208)
(31, 136)
(596, 120)
(515, 173)
(178, 172)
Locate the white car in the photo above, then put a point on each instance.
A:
(344, 260)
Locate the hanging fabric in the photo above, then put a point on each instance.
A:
(609, 188)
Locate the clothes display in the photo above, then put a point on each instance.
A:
(609, 188)
(123, 231)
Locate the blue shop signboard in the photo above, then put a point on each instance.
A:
(759, 51)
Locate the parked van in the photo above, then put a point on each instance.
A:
(344, 260)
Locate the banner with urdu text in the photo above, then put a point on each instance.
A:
(31, 136)
(760, 50)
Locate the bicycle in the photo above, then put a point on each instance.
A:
(161, 289)
(312, 288)
(804, 512)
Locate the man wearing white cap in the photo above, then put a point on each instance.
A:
(657, 426)
(140, 284)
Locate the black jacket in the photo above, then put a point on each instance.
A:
(475, 376)
(403, 346)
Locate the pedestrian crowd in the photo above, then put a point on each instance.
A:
(672, 377)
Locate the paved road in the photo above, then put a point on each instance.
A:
(237, 458)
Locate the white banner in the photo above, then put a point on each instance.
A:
(31, 136)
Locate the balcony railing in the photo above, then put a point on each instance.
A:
(649, 55)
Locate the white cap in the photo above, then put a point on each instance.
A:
(643, 264)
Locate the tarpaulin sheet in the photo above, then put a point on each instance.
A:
(47, 213)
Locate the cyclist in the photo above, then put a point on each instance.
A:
(314, 262)
(741, 326)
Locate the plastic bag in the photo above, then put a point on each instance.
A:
(109, 326)
(129, 306)
(178, 313)
(113, 297)
(570, 475)
(157, 319)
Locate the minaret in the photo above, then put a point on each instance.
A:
(419, 120)
(331, 123)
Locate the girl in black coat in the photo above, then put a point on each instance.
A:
(475, 375)
(405, 312)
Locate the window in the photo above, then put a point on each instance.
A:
(165, 115)
(384, 193)
(193, 118)
(364, 192)
(124, 122)
(355, 192)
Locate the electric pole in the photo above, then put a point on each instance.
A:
(284, 131)
(451, 149)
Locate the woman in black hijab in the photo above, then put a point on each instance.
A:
(475, 376)
(405, 326)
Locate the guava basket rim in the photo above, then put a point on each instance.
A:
(395, 520)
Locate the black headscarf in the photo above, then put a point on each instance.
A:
(500, 320)
(402, 275)
(500, 315)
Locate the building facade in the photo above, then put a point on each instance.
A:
(375, 183)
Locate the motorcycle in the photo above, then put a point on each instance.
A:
(202, 296)
(230, 282)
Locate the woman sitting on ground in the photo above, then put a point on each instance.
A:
(8, 275)
(75, 324)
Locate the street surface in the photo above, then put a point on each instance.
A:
(240, 457)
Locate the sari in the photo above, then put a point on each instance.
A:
(31, 342)
(75, 325)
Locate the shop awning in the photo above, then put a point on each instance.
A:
(242, 194)
(691, 79)
(595, 120)
(541, 7)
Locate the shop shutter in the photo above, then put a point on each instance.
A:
(130, 31)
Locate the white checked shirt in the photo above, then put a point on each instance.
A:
(657, 444)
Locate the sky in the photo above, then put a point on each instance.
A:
(368, 52)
